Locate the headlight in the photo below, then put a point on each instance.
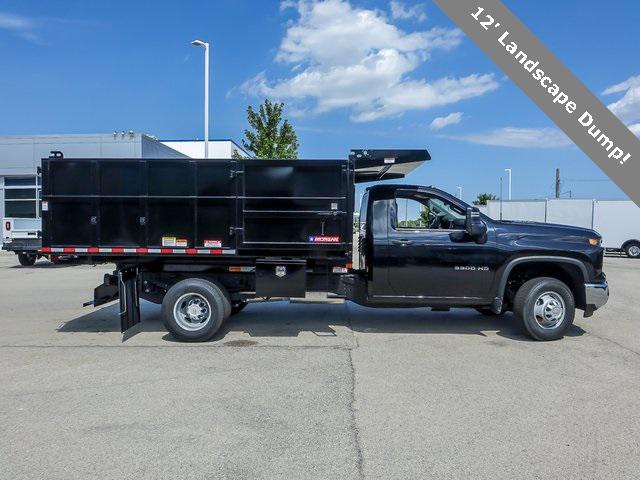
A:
(594, 242)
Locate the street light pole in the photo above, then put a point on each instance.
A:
(500, 198)
(200, 43)
(508, 170)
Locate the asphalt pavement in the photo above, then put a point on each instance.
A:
(301, 391)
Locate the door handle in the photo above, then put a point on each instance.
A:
(402, 242)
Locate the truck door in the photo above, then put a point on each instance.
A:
(423, 261)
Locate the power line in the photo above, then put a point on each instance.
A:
(586, 180)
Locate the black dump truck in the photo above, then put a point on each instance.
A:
(205, 237)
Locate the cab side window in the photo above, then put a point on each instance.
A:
(411, 214)
(422, 212)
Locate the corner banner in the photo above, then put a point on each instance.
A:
(537, 71)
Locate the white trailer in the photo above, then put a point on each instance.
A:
(618, 221)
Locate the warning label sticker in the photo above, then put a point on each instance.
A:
(213, 243)
(168, 241)
(181, 242)
(324, 239)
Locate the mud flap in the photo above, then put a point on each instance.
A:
(129, 300)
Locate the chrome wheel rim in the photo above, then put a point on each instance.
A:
(549, 310)
(634, 251)
(192, 312)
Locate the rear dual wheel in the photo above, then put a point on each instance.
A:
(193, 310)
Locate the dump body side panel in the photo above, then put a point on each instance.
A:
(301, 204)
(133, 207)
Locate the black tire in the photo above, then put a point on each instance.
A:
(226, 299)
(27, 259)
(197, 294)
(237, 307)
(546, 296)
(632, 249)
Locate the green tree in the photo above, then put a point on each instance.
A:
(424, 216)
(268, 135)
(483, 198)
(236, 155)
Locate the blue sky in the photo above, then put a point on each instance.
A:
(356, 73)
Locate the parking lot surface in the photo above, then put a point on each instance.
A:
(312, 391)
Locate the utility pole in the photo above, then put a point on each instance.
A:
(557, 183)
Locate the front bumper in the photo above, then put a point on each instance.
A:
(596, 295)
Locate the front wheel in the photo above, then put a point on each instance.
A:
(194, 309)
(545, 307)
(632, 250)
(27, 259)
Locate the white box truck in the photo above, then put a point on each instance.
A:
(22, 236)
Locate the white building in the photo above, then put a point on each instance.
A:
(217, 148)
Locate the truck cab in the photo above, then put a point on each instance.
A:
(420, 246)
(415, 247)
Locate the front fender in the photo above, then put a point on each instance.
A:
(503, 276)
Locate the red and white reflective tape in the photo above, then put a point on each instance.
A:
(139, 250)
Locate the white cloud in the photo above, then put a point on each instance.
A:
(348, 57)
(401, 12)
(439, 123)
(15, 22)
(332, 32)
(623, 86)
(519, 138)
(628, 107)
(22, 26)
(285, 4)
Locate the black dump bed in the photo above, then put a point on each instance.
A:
(107, 207)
